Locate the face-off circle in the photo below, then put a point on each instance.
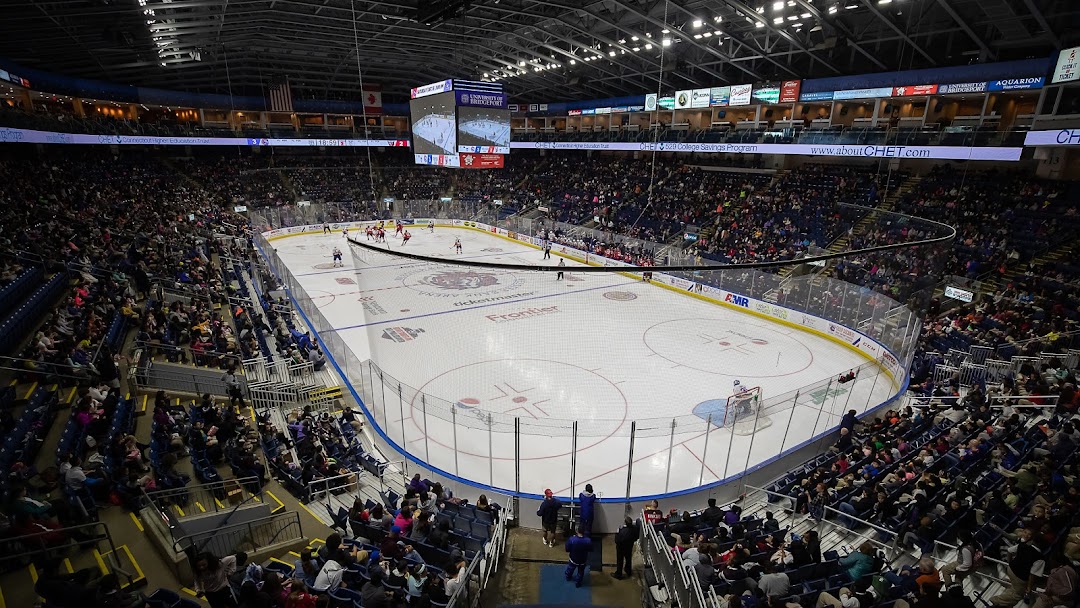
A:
(743, 349)
(620, 296)
(540, 392)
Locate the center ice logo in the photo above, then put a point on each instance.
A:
(461, 280)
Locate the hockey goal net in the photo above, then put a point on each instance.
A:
(743, 412)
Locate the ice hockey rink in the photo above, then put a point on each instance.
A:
(480, 352)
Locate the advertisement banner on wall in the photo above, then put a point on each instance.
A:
(740, 94)
(1016, 84)
(816, 96)
(915, 90)
(1055, 137)
(603, 110)
(1068, 65)
(789, 91)
(719, 96)
(650, 102)
(683, 99)
(863, 93)
(574, 113)
(700, 98)
(963, 87)
(766, 93)
(866, 151)
(666, 103)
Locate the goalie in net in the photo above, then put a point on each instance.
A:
(743, 405)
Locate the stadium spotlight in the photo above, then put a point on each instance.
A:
(665, 31)
(777, 20)
(707, 34)
(718, 18)
(573, 61)
(697, 23)
(521, 63)
(778, 6)
(634, 38)
(833, 9)
(648, 47)
(666, 42)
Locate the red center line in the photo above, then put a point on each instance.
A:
(707, 467)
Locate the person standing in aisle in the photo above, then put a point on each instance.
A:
(624, 548)
(549, 516)
(578, 546)
(232, 385)
(586, 501)
(559, 276)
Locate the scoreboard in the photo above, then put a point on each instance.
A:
(460, 123)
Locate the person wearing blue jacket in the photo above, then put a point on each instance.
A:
(578, 546)
(586, 500)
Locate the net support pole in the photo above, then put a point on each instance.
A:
(517, 455)
(573, 458)
(630, 461)
(787, 429)
(705, 450)
(454, 424)
(427, 448)
(382, 383)
(491, 453)
(822, 408)
(401, 420)
(670, 454)
(870, 397)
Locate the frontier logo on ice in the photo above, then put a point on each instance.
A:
(522, 314)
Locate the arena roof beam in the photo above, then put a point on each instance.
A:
(1043, 23)
(889, 22)
(967, 29)
(746, 12)
(841, 27)
(688, 38)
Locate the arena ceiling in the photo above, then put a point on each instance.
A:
(547, 50)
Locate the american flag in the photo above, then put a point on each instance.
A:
(281, 97)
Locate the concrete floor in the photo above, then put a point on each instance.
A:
(518, 580)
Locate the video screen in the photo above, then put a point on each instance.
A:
(483, 130)
(433, 125)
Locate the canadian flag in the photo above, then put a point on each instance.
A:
(373, 100)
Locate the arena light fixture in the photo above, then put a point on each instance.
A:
(759, 24)
(696, 23)
(611, 53)
(521, 64)
(805, 15)
(648, 47)
(833, 9)
(697, 36)
(707, 34)
(718, 18)
(573, 62)
(634, 38)
(777, 20)
(637, 48)
(778, 6)
(665, 31)
(884, 2)
(793, 18)
(666, 42)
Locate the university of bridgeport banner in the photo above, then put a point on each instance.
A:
(30, 136)
(865, 151)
